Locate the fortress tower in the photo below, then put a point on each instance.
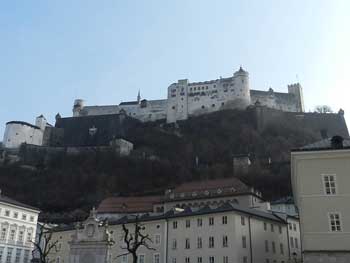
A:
(78, 106)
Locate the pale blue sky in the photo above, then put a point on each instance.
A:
(52, 52)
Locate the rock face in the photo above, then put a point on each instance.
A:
(91, 243)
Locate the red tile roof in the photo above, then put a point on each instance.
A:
(128, 204)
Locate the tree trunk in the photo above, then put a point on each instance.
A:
(134, 258)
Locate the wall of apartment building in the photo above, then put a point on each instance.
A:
(308, 169)
(17, 232)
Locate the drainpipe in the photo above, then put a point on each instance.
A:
(250, 241)
(288, 239)
(166, 239)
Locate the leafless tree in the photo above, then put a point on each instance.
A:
(323, 109)
(44, 245)
(134, 239)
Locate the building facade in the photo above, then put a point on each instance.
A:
(186, 99)
(229, 234)
(18, 228)
(320, 180)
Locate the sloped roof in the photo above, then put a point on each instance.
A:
(323, 145)
(212, 184)
(132, 204)
(8, 200)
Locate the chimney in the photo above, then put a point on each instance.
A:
(337, 142)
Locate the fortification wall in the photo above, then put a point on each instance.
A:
(97, 130)
(17, 132)
(276, 100)
(325, 124)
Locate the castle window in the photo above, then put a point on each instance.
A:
(195, 88)
(242, 80)
(206, 87)
(202, 106)
(214, 86)
(190, 89)
(173, 107)
(222, 104)
(213, 105)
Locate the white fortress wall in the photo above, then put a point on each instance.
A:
(17, 133)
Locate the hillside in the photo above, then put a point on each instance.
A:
(164, 156)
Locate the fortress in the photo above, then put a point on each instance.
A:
(186, 99)
(102, 126)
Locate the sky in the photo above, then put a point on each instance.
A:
(52, 52)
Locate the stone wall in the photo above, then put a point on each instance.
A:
(325, 124)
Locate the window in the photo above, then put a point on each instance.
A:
(26, 256)
(225, 259)
(7, 212)
(291, 242)
(224, 241)
(242, 220)
(199, 222)
(156, 258)
(187, 243)
(58, 260)
(157, 239)
(265, 226)
(141, 259)
(281, 249)
(211, 260)
(24, 217)
(199, 260)
(124, 258)
(266, 246)
(280, 229)
(211, 221)
(329, 182)
(31, 219)
(15, 215)
(188, 223)
(12, 234)
(267, 260)
(20, 235)
(296, 243)
(290, 226)
(244, 242)
(199, 242)
(29, 236)
(211, 242)
(173, 260)
(9, 255)
(187, 260)
(334, 222)
(1, 253)
(272, 228)
(273, 247)
(295, 227)
(245, 259)
(3, 233)
(224, 220)
(174, 224)
(174, 244)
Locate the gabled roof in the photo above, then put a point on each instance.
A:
(325, 144)
(129, 103)
(211, 185)
(132, 204)
(8, 200)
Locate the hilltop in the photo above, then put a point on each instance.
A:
(166, 155)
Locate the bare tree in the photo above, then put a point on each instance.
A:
(44, 245)
(323, 109)
(135, 239)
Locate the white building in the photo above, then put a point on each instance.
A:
(320, 180)
(18, 132)
(186, 99)
(18, 227)
(228, 234)
(214, 221)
